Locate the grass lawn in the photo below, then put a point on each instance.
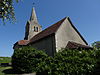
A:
(5, 70)
(5, 59)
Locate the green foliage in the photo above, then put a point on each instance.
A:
(96, 44)
(74, 62)
(28, 59)
(5, 59)
(65, 62)
(7, 10)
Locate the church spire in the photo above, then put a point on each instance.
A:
(32, 26)
(33, 16)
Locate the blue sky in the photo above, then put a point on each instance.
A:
(84, 14)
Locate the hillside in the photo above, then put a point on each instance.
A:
(5, 59)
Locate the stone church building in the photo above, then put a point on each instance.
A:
(59, 35)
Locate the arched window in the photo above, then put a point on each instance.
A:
(36, 29)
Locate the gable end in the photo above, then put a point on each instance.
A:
(77, 30)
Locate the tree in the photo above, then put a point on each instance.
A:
(96, 44)
(7, 10)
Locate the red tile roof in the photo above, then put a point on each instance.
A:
(23, 42)
(48, 31)
(74, 45)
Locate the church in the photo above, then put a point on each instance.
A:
(62, 34)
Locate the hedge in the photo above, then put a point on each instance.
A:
(26, 59)
(74, 62)
(65, 62)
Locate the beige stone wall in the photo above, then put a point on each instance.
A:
(66, 33)
(46, 44)
(31, 30)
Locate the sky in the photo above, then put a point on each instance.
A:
(84, 14)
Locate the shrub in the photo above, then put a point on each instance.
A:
(65, 62)
(96, 44)
(27, 59)
(74, 62)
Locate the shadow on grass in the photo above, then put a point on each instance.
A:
(10, 71)
(13, 72)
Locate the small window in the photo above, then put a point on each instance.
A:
(36, 29)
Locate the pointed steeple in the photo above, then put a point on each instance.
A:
(32, 26)
(33, 16)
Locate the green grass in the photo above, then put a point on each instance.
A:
(5, 59)
(5, 70)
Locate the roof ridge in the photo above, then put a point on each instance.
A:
(72, 44)
(56, 23)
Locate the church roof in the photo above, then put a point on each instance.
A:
(52, 29)
(74, 45)
(48, 31)
(23, 42)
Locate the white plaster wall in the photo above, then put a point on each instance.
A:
(66, 33)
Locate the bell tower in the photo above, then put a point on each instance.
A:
(32, 26)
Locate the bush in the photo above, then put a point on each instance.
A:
(97, 56)
(27, 59)
(74, 62)
(65, 62)
(96, 44)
